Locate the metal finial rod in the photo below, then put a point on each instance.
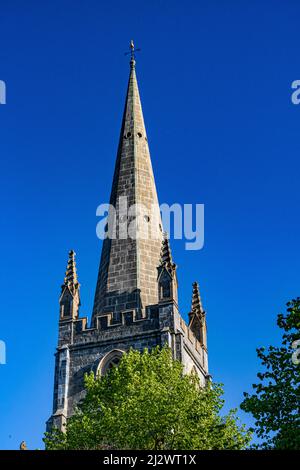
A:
(132, 51)
(132, 48)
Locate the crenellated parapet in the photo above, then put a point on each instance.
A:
(77, 330)
(163, 317)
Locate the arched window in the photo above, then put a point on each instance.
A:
(109, 361)
(165, 288)
(66, 308)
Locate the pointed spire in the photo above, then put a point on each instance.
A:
(196, 299)
(197, 320)
(71, 280)
(127, 276)
(166, 255)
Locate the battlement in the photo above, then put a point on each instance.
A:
(105, 326)
(158, 318)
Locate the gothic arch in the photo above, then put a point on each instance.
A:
(165, 285)
(110, 360)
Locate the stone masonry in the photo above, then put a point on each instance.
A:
(136, 295)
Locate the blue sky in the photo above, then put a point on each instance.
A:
(215, 80)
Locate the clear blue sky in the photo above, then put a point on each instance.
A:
(215, 81)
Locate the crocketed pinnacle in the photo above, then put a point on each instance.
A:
(196, 299)
(71, 280)
(166, 254)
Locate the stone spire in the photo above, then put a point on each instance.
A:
(196, 299)
(197, 320)
(127, 276)
(70, 298)
(71, 272)
(166, 255)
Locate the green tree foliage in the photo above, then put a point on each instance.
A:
(148, 403)
(275, 404)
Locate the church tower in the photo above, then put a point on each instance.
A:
(136, 299)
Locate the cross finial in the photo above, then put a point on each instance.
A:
(132, 52)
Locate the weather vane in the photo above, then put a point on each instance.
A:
(132, 50)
